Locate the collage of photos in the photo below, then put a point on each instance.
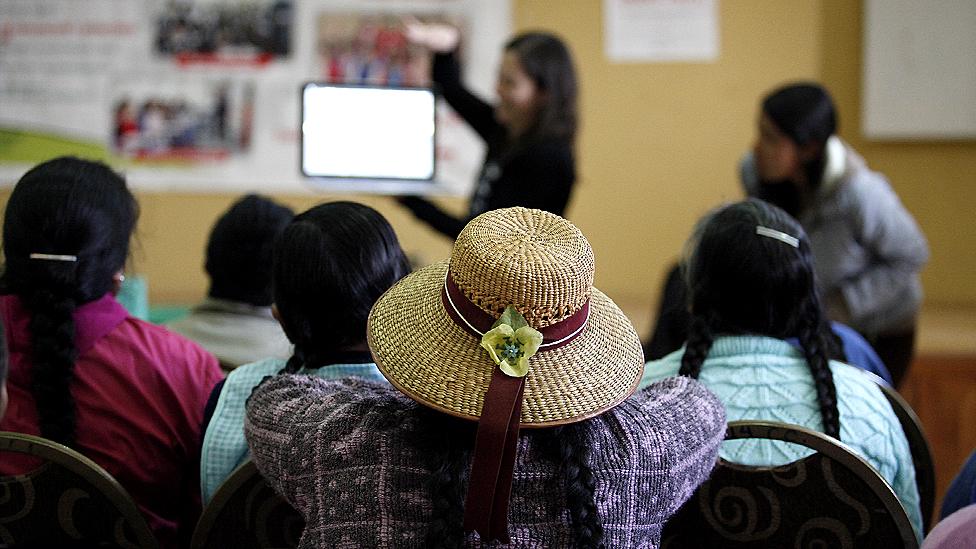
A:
(192, 123)
(256, 31)
(371, 49)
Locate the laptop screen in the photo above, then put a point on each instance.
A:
(367, 132)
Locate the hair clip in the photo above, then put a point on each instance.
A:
(54, 257)
(778, 235)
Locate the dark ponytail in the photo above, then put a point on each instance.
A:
(448, 443)
(64, 207)
(811, 334)
(699, 342)
(743, 282)
(569, 446)
(53, 356)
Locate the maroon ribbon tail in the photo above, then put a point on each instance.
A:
(486, 504)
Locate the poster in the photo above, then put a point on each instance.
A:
(204, 95)
(661, 30)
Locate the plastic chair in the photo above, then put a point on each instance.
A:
(67, 501)
(831, 498)
(246, 512)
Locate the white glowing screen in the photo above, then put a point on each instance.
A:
(366, 132)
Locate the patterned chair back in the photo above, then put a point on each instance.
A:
(66, 501)
(918, 444)
(831, 498)
(245, 513)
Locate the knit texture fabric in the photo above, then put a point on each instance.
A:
(763, 378)
(224, 447)
(345, 454)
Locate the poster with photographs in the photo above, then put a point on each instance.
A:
(183, 120)
(204, 95)
(228, 32)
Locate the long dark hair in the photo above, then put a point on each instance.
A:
(805, 113)
(331, 264)
(741, 282)
(448, 443)
(547, 61)
(72, 207)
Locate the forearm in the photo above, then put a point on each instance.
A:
(430, 213)
(476, 113)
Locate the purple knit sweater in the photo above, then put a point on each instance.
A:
(345, 454)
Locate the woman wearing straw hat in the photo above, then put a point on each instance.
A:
(751, 286)
(508, 337)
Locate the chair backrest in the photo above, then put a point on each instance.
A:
(246, 512)
(67, 501)
(918, 445)
(831, 498)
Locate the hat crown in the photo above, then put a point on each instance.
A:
(536, 261)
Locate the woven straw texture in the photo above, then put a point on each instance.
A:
(541, 264)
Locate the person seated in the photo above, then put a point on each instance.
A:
(234, 322)
(671, 331)
(751, 287)
(505, 357)
(868, 249)
(330, 265)
(962, 491)
(127, 394)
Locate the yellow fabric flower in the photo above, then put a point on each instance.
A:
(511, 342)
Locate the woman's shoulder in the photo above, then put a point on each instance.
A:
(673, 409)
(859, 387)
(323, 401)
(153, 345)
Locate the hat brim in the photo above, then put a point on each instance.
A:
(428, 357)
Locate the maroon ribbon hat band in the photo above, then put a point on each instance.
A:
(493, 464)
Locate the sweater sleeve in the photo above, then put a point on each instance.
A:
(433, 215)
(284, 418)
(679, 428)
(477, 113)
(890, 234)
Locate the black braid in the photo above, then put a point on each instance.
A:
(295, 363)
(52, 330)
(812, 335)
(448, 442)
(700, 340)
(573, 445)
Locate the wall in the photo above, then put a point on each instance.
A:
(936, 180)
(658, 147)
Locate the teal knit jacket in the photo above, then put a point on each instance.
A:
(763, 378)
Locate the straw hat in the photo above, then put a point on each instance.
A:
(542, 265)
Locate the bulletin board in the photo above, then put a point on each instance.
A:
(204, 95)
(919, 78)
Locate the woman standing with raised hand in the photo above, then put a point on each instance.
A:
(529, 134)
(127, 394)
